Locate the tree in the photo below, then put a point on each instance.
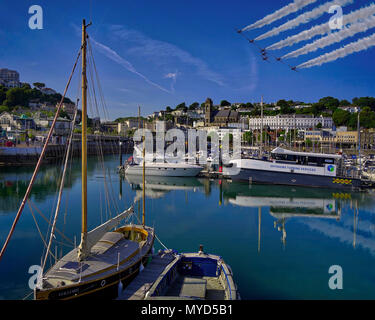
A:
(317, 108)
(225, 103)
(284, 107)
(344, 103)
(64, 114)
(39, 85)
(181, 106)
(341, 117)
(16, 97)
(168, 109)
(319, 126)
(247, 136)
(194, 106)
(3, 109)
(330, 103)
(365, 102)
(367, 118)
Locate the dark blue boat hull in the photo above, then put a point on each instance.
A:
(295, 179)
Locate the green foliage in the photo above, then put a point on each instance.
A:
(12, 97)
(330, 103)
(194, 106)
(3, 109)
(247, 136)
(284, 107)
(344, 103)
(225, 103)
(16, 96)
(317, 108)
(64, 114)
(39, 85)
(365, 102)
(341, 117)
(181, 106)
(168, 109)
(367, 118)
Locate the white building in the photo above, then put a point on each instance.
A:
(9, 78)
(351, 109)
(283, 122)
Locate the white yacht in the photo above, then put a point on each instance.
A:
(163, 169)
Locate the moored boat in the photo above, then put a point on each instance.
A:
(287, 167)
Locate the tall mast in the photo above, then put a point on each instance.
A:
(143, 178)
(261, 129)
(82, 251)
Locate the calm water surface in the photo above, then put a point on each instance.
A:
(279, 241)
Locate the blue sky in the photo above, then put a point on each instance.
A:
(159, 53)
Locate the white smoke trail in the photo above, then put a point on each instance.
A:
(304, 18)
(323, 29)
(334, 37)
(114, 56)
(290, 8)
(360, 45)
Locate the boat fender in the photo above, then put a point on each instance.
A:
(120, 288)
(152, 250)
(141, 267)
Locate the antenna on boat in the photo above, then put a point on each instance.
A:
(82, 250)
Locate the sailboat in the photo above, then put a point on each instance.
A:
(109, 256)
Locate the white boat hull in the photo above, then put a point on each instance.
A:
(164, 171)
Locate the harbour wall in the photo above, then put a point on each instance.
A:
(96, 145)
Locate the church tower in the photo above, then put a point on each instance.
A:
(207, 111)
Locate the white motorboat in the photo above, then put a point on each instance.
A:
(163, 169)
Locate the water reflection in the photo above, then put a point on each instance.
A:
(319, 209)
(254, 227)
(15, 180)
(158, 187)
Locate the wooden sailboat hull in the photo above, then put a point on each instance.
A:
(103, 287)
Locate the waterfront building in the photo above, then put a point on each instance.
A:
(109, 126)
(9, 78)
(347, 138)
(283, 122)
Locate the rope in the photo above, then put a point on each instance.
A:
(53, 227)
(39, 162)
(41, 214)
(40, 233)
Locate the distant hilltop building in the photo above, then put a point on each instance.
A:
(9, 78)
(47, 91)
(220, 118)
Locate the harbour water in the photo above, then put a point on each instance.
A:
(279, 241)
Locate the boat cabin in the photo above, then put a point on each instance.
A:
(281, 155)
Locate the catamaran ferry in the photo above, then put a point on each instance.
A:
(287, 167)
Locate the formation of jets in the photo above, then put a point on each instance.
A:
(264, 52)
